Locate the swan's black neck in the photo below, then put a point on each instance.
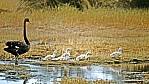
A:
(25, 37)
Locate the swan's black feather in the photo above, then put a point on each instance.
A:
(16, 47)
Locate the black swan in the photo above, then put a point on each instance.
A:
(17, 48)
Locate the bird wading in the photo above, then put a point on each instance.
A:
(17, 48)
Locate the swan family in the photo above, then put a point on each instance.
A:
(66, 56)
(17, 48)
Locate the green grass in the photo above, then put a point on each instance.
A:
(100, 31)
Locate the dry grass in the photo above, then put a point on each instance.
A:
(100, 31)
(132, 67)
(11, 67)
(71, 63)
(83, 81)
(8, 4)
(74, 81)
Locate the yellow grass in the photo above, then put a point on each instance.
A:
(11, 67)
(132, 67)
(9, 4)
(100, 31)
(83, 81)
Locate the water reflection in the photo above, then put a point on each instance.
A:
(4, 80)
(50, 74)
(55, 73)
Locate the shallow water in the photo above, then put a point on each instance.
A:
(55, 73)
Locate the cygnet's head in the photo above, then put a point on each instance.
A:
(68, 49)
(119, 49)
(88, 53)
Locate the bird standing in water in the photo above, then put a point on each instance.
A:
(17, 48)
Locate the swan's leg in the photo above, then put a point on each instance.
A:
(16, 59)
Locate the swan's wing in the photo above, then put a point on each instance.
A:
(15, 44)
